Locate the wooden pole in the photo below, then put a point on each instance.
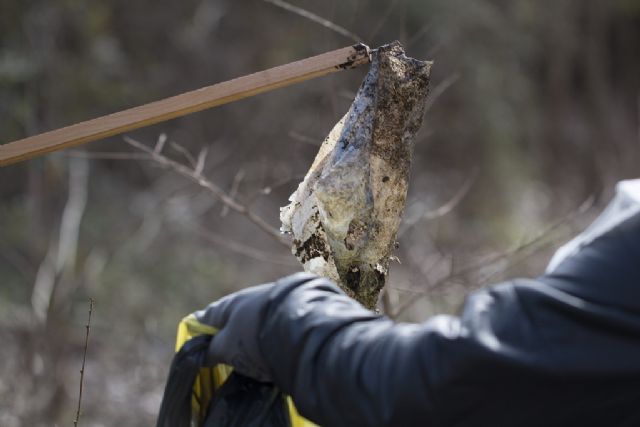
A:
(183, 104)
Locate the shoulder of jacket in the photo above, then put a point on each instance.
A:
(624, 205)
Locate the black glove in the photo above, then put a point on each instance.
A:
(239, 318)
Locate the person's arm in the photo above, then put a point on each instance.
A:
(560, 350)
(563, 348)
(519, 351)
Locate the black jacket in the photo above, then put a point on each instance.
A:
(561, 350)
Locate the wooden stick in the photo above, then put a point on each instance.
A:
(186, 103)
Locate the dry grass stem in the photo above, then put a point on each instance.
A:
(84, 358)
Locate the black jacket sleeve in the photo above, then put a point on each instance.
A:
(560, 350)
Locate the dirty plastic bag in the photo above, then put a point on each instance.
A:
(344, 216)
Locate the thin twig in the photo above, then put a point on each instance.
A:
(416, 36)
(268, 189)
(385, 17)
(440, 89)
(162, 139)
(304, 138)
(180, 149)
(455, 200)
(446, 208)
(202, 159)
(192, 175)
(61, 255)
(315, 18)
(235, 186)
(240, 248)
(84, 359)
(532, 244)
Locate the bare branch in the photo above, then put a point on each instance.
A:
(418, 34)
(455, 200)
(243, 249)
(237, 179)
(268, 189)
(446, 208)
(84, 359)
(214, 189)
(62, 254)
(162, 139)
(315, 18)
(440, 89)
(529, 247)
(304, 138)
(536, 243)
(180, 149)
(72, 214)
(202, 158)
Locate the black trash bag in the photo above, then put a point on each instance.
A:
(244, 402)
(239, 402)
(175, 410)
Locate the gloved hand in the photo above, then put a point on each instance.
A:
(239, 318)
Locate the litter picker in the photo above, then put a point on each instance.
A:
(185, 103)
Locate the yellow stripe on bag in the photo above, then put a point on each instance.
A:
(210, 379)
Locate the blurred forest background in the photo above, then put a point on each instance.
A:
(533, 116)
